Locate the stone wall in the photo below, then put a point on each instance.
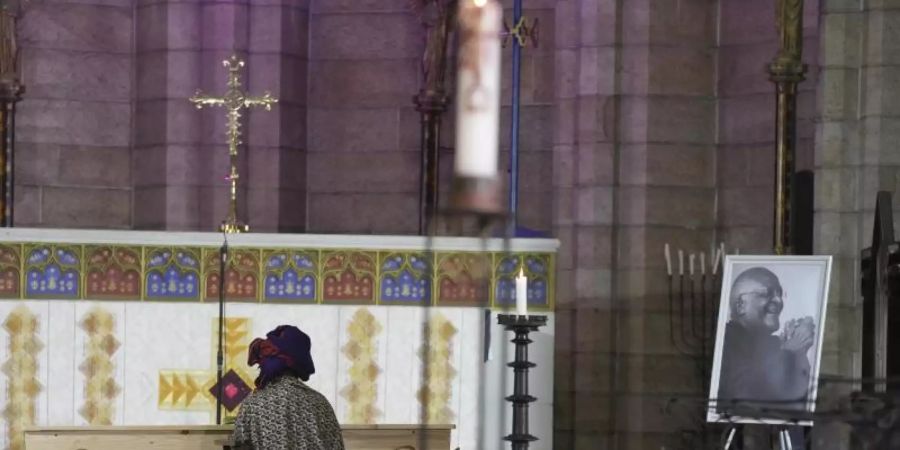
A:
(365, 68)
(746, 124)
(73, 159)
(634, 168)
(107, 138)
(855, 157)
(110, 81)
(180, 155)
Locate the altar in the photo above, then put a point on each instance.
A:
(119, 328)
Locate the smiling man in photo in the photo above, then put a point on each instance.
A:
(760, 368)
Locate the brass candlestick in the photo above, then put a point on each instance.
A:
(233, 100)
(786, 71)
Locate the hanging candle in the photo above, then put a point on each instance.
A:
(478, 89)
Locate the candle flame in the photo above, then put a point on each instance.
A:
(521, 272)
(479, 3)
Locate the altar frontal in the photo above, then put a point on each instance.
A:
(120, 328)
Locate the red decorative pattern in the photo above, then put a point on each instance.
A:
(237, 286)
(9, 271)
(9, 283)
(241, 275)
(348, 287)
(113, 273)
(462, 280)
(349, 277)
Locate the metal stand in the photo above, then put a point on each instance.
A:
(784, 439)
(521, 326)
(220, 348)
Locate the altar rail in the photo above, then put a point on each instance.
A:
(274, 268)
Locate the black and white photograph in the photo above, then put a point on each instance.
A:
(769, 338)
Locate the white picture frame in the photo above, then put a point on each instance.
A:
(763, 370)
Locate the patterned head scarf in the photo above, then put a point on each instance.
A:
(285, 350)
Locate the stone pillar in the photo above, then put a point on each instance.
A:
(167, 53)
(856, 156)
(633, 169)
(583, 177)
(181, 155)
(363, 129)
(665, 176)
(276, 176)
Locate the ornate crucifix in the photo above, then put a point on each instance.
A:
(234, 100)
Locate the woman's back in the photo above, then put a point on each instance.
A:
(287, 415)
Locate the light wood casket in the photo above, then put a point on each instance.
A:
(211, 437)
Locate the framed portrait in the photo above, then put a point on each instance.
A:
(769, 339)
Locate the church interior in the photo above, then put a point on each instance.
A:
(504, 224)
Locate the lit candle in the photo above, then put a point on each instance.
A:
(680, 262)
(522, 294)
(478, 88)
(703, 263)
(691, 261)
(668, 260)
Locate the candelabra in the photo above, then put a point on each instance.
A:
(693, 309)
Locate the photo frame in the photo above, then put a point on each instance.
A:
(769, 338)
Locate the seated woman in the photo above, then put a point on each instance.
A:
(283, 413)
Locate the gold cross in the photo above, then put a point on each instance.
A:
(233, 100)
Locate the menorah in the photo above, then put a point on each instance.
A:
(693, 310)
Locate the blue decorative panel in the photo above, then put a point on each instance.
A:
(291, 276)
(52, 271)
(405, 278)
(172, 274)
(536, 268)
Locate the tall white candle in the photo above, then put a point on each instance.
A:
(478, 88)
(668, 260)
(691, 261)
(703, 263)
(522, 294)
(680, 263)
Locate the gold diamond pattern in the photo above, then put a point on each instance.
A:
(21, 372)
(361, 350)
(438, 388)
(98, 367)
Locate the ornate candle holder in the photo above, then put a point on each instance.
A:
(693, 307)
(693, 310)
(521, 326)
